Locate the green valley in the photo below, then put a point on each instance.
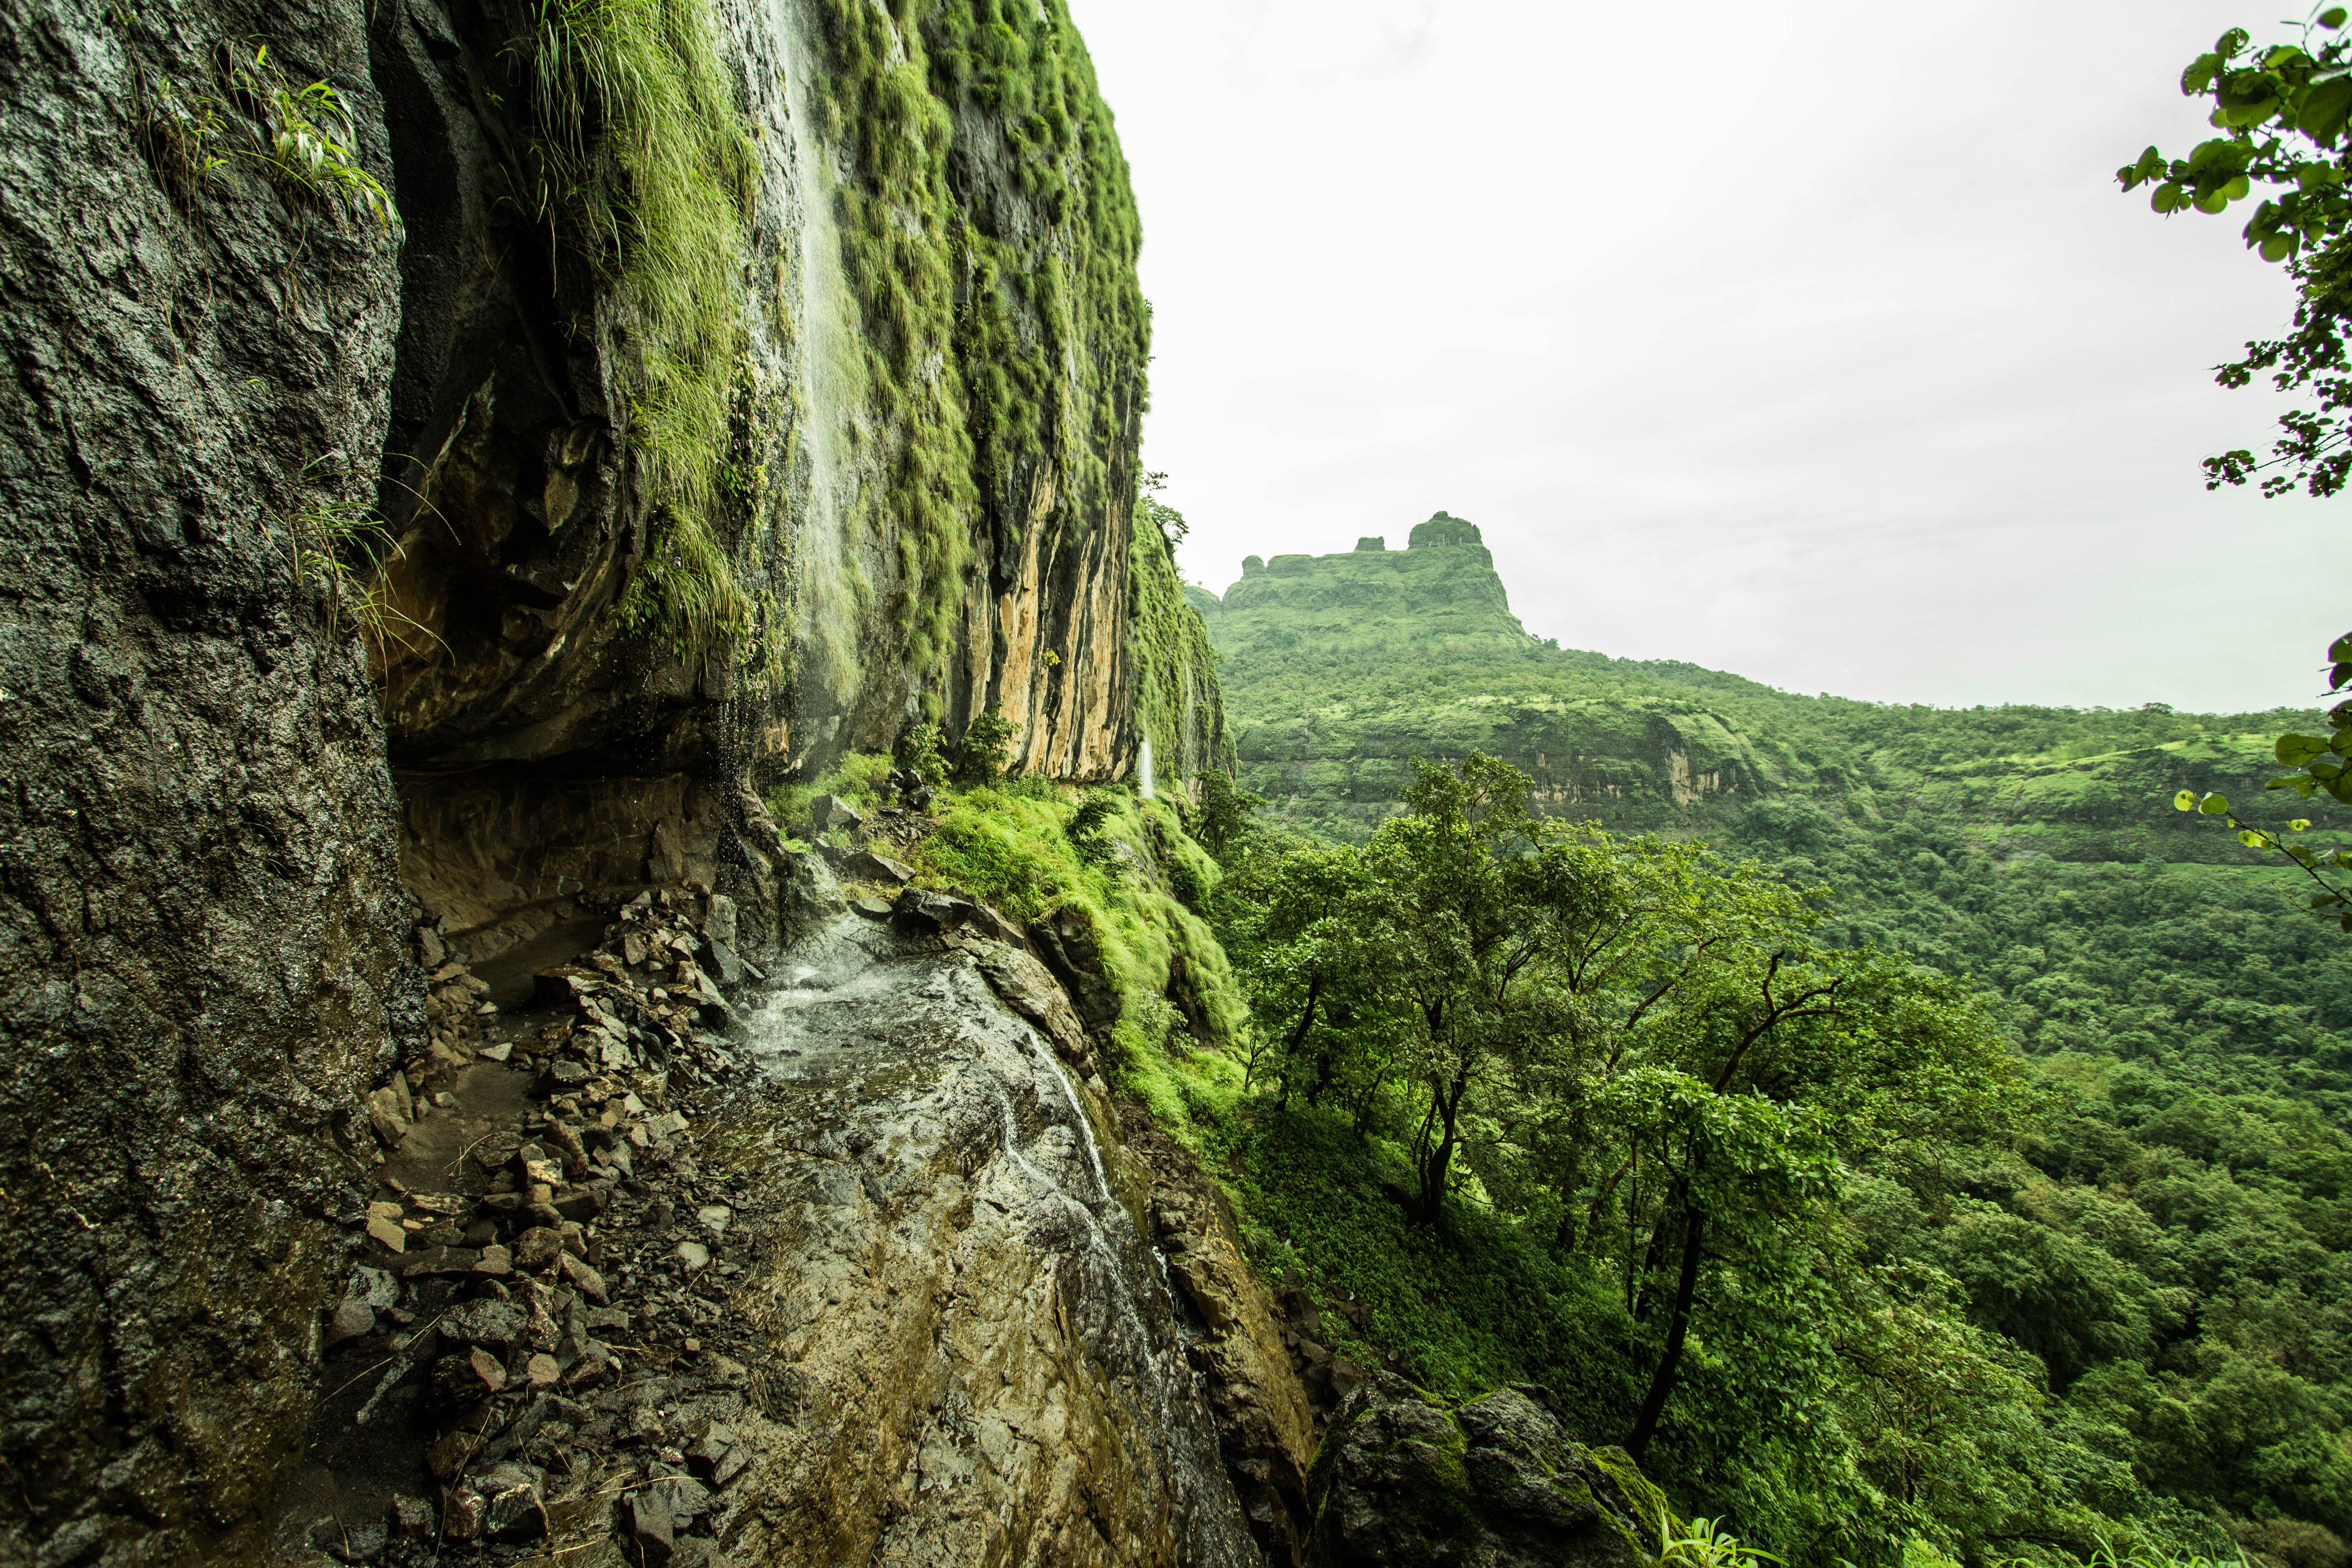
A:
(2095, 1300)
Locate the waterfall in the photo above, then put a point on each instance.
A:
(1143, 769)
(828, 373)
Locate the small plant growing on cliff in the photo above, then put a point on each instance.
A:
(917, 753)
(301, 137)
(307, 143)
(1150, 508)
(986, 746)
(181, 133)
(685, 587)
(324, 538)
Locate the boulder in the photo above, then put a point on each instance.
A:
(1407, 1476)
(828, 812)
(867, 866)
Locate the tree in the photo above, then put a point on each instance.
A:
(1150, 508)
(2282, 112)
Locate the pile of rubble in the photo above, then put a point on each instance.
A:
(530, 1348)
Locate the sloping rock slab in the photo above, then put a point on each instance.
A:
(967, 1351)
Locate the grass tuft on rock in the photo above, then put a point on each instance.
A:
(646, 161)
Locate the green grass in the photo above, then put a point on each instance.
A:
(1004, 341)
(665, 225)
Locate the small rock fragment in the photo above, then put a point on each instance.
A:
(537, 1248)
(376, 1287)
(350, 1321)
(649, 1527)
(490, 1321)
(866, 865)
(694, 1255)
(463, 1514)
(589, 1283)
(412, 1518)
(540, 1371)
(446, 1458)
(830, 811)
(512, 1509)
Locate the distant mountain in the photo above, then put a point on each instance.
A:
(1337, 669)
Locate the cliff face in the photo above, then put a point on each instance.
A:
(456, 452)
(714, 461)
(199, 895)
(1339, 669)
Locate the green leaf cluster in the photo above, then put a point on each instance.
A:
(2282, 113)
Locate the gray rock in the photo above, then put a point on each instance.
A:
(411, 1517)
(492, 1323)
(358, 1540)
(688, 1499)
(868, 867)
(921, 910)
(512, 1509)
(1405, 1476)
(812, 895)
(650, 1528)
(872, 909)
(829, 811)
(719, 919)
(350, 1321)
(375, 1287)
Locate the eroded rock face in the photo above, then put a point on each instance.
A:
(969, 1353)
(1266, 1420)
(1407, 1477)
(199, 909)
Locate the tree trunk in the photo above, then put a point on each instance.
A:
(1447, 1111)
(1662, 1384)
(1565, 1237)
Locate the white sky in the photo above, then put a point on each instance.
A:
(1806, 338)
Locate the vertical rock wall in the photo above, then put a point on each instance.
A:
(240, 384)
(199, 907)
(924, 505)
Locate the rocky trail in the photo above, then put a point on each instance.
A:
(673, 1257)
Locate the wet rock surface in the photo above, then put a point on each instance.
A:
(1405, 1476)
(1262, 1385)
(848, 1269)
(200, 916)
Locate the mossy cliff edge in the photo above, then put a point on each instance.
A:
(459, 453)
(771, 381)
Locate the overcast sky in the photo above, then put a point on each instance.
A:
(1804, 339)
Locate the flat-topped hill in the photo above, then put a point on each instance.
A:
(1439, 593)
(1337, 669)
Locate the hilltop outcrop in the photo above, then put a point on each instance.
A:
(1339, 669)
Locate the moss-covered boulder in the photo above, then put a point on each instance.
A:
(1406, 1477)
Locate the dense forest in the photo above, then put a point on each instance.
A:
(2030, 1237)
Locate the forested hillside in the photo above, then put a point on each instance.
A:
(2110, 1300)
(1337, 669)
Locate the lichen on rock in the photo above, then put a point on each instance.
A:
(1406, 1477)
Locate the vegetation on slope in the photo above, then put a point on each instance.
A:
(1339, 669)
(2117, 1307)
(989, 234)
